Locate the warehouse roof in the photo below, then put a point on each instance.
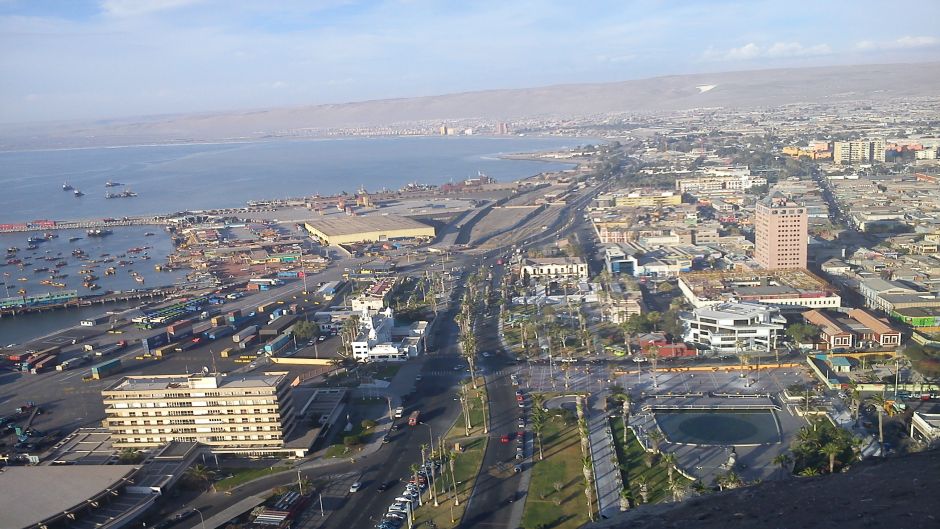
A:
(33, 494)
(351, 225)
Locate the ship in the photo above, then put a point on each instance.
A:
(78, 193)
(49, 235)
(127, 193)
(149, 234)
(139, 279)
(67, 187)
(110, 183)
(35, 240)
(41, 269)
(97, 232)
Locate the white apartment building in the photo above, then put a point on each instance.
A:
(719, 181)
(727, 328)
(237, 414)
(380, 341)
(859, 151)
(556, 268)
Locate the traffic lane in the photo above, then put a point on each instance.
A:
(393, 461)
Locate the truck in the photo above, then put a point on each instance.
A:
(277, 344)
(218, 320)
(413, 418)
(105, 369)
(153, 341)
(44, 365)
(219, 332)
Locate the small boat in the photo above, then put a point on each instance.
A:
(73, 239)
(35, 240)
(97, 232)
(67, 187)
(60, 264)
(41, 269)
(23, 279)
(94, 287)
(31, 247)
(110, 183)
(149, 234)
(45, 282)
(110, 271)
(90, 277)
(12, 250)
(50, 235)
(59, 285)
(78, 193)
(139, 279)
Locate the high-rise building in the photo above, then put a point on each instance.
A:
(243, 414)
(780, 232)
(859, 151)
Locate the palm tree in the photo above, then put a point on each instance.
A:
(831, 450)
(880, 409)
(655, 437)
(199, 474)
(625, 499)
(669, 459)
(809, 471)
(678, 490)
(729, 481)
(643, 484)
(538, 419)
(783, 461)
(625, 415)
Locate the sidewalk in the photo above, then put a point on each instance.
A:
(606, 474)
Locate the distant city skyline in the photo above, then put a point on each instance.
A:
(114, 58)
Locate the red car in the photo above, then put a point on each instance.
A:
(520, 398)
(504, 439)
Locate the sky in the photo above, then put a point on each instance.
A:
(100, 59)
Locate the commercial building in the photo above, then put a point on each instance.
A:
(732, 327)
(857, 328)
(373, 228)
(380, 341)
(639, 198)
(549, 268)
(237, 414)
(374, 298)
(859, 151)
(790, 289)
(780, 233)
(717, 181)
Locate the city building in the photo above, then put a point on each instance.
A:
(712, 181)
(374, 298)
(549, 268)
(780, 233)
(859, 151)
(728, 328)
(349, 229)
(856, 328)
(237, 414)
(639, 198)
(792, 289)
(379, 340)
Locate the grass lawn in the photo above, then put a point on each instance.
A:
(633, 466)
(338, 449)
(476, 411)
(466, 468)
(244, 475)
(566, 507)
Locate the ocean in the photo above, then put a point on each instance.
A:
(174, 178)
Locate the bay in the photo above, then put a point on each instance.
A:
(172, 178)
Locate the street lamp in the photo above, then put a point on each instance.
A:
(201, 519)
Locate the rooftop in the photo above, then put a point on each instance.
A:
(347, 225)
(167, 382)
(33, 494)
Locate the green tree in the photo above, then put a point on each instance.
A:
(801, 332)
(831, 450)
(305, 330)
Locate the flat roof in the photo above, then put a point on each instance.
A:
(347, 225)
(33, 494)
(164, 382)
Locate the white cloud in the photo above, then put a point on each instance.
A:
(795, 49)
(776, 50)
(130, 8)
(907, 41)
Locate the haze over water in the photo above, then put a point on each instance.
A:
(174, 178)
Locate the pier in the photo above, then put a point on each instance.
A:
(50, 225)
(88, 301)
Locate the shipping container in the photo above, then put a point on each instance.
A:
(165, 350)
(154, 341)
(218, 320)
(277, 344)
(184, 346)
(225, 352)
(105, 369)
(179, 326)
(267, 306)
(246, 341)
(289, 274)
(44, 365)
(108, 350)
(244, 333)
(201, 328)
(278, 326)
(218, 332)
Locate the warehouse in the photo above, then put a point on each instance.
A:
(345, 230)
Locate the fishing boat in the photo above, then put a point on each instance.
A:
(40, 269)
(67, 187)
(110, 271)
(49, 235)
(12, 250)
(78, 193)
(110, 183)
(35, 240)
(149, 234)
(73, 239)
(139, 279)
(97, 232)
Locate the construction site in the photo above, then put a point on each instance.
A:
(795, 287)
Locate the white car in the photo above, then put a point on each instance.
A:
(355, 487)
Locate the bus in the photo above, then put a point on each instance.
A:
(413, 418)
